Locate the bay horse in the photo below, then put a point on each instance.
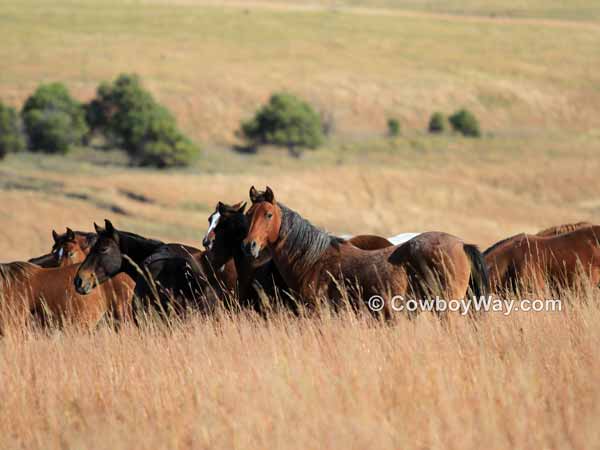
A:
(314, 263)
(529, 261)
(168, 277)
(228, 226)
(49, 294)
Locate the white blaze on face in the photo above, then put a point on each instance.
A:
(214, 221)
(60, 253)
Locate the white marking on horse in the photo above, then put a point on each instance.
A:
(402, 238)
(214, 221)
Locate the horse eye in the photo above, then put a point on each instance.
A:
(103, 250)
(269, 215)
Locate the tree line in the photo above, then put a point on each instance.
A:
(127, 116)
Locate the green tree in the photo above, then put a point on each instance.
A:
(285, 121)
(466, 123)
(437, 123)
(129, 116)
(11, 136)
(53, 120)
(393, 127)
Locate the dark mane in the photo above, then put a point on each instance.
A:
(303, 242)
(137, 237)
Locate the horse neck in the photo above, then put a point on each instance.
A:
(298, 250)
(47, 260)
(244, 269)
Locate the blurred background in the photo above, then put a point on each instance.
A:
(479, 118)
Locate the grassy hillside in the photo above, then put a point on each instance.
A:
(553, 9)
(214, 64)
(528, 69)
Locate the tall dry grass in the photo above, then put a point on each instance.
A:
(528, 380)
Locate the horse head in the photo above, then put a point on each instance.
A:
(103, 261)
(227, 228)
(265, 222)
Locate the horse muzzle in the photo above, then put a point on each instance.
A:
(251, 249)
(207, 243)
(83, 288)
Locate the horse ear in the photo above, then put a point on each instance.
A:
(109, 226)
(269, 196)
(253, 194)
(55, 236)
(70, 234)
(98, 228)
(220, 207)
(240, 207)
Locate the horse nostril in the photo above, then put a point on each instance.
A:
(253, 245)
(77, 282)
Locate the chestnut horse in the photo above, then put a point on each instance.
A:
(531, 261)
(228, 226)
(566, 228)
(69, 248)
(168, 277)
(49, 294)
(315, 264)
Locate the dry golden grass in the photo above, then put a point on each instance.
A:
(528, 380)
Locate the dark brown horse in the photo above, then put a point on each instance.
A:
(314, 264)
(168, 277)
(529, 261)
(228, 226)
(50, 295)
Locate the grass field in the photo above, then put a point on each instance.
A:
(527, 69)
(213, 65)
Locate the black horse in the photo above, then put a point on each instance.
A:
(168, 277)
(223, 241)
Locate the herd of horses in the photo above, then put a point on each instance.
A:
(271, 255)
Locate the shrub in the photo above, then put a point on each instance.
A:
(393, 127)
(437, 123)
(53, 119)
(11, 136)
(129, 115)
(286, 121)
(466, 123)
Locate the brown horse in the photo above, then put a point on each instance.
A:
(566, 228)
(529, 261)
(50, 295)
(228, 226)
(315, 264)
(72, 247)
(69, 248)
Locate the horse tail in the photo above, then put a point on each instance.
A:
(479, 281)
